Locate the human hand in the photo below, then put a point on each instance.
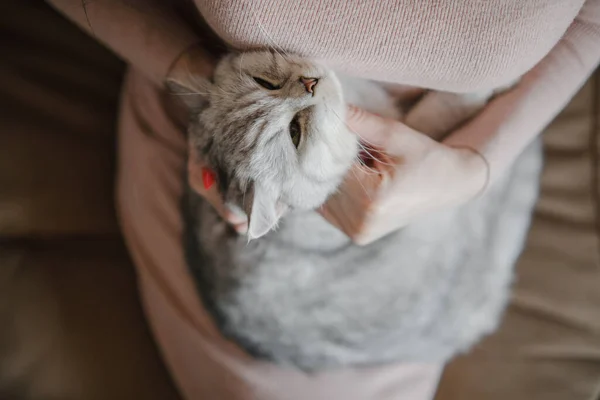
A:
(408, 175)
(202, 180)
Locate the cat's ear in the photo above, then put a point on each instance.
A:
(192, 90)
(263, 210)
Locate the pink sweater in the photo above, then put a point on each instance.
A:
(459, 45)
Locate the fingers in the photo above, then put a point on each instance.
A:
(371, 128)
(196, 182)
(392, 136)
(350, 208)
(212, 195)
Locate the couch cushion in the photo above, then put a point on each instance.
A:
(58, 99)
(72, 325)
(548, 346)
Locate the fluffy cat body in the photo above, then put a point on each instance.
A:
(303, 294)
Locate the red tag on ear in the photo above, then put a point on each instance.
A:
(208, 178)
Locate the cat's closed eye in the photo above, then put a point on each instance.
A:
(266, 84)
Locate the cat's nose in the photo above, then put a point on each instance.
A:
(309, 83)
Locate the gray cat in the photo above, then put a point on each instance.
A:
(300, 293)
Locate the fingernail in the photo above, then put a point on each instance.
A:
(208, 178)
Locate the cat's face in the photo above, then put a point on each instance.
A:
(272, 128)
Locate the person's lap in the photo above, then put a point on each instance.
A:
(152, 150)
(548, 343)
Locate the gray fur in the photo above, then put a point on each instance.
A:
(303, 294)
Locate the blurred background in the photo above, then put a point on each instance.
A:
(71, 326)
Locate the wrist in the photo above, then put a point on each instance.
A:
(476, 170)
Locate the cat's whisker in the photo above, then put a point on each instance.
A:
(365, 167)
(361, 184)
(358, 160)
(189, 94)
(375, 159)
(230, 94)
(379, 160)
(369, 171)
(270, 39)
(362, 146)
(348, 127)
(366, 141)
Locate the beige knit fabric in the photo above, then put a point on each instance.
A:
(456, 45)
(446, 45)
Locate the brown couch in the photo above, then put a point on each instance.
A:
(71, 326)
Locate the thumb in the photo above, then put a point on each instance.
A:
(390, 135)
